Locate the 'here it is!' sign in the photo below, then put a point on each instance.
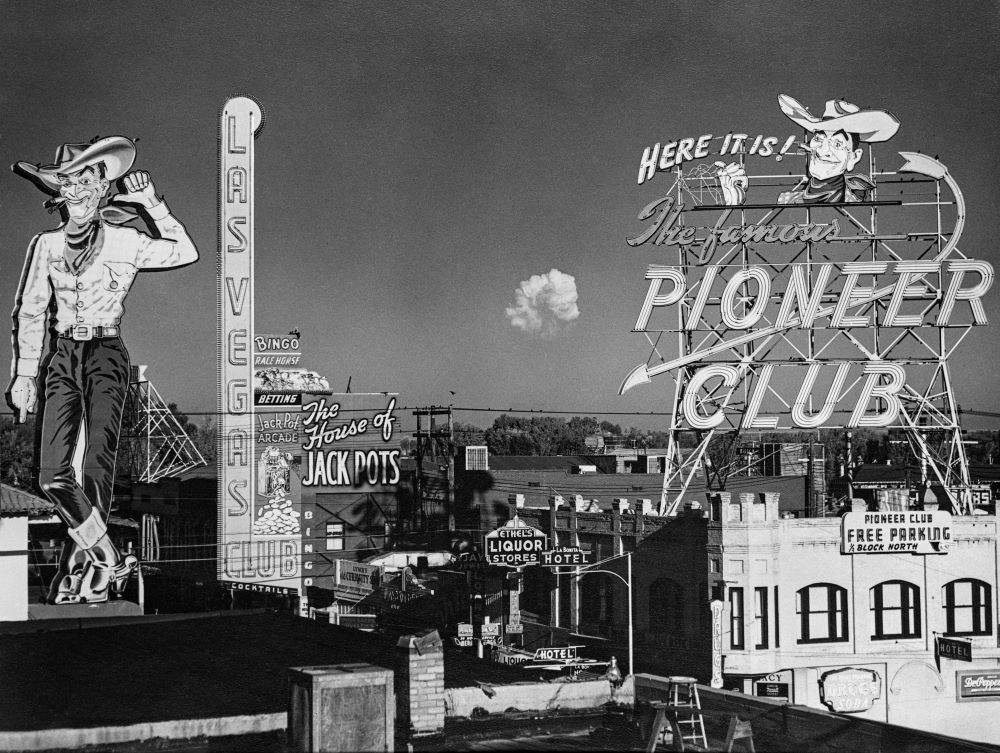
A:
(514, 544)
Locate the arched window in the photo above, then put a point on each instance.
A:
(822, 610)
(967, 607)
(895, 606)
(597, 599)
(666, 606)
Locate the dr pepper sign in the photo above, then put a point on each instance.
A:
(514, 544)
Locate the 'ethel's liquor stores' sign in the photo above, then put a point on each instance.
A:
(515, 544)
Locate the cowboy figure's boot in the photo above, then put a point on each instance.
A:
(67, 584)
(109, 571)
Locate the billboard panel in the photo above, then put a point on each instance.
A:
(259, 541)
(349, 468)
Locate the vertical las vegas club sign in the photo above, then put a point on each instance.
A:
(831, 298)
(249, 559)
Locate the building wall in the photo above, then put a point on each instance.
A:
(13, 568)
(761, 550)
(671, 583)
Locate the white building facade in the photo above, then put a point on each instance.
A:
(800, 613)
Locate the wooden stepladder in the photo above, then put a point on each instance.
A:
(682, 713)
(682, 717)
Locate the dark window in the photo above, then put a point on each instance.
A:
(666, 606)
(896, 606)
(736, 639)
(760, 623)
(704, 609)
(717, 591)
(967, 607)
(777, 619)
(822, 610)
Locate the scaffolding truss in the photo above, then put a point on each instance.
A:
(154, 443)
(915, 214)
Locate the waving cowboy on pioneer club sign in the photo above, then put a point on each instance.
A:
(834, 146)
(86, 267)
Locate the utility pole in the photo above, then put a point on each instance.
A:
(419, 480)
(424, 437)
(450, 502)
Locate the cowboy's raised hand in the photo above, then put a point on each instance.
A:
(139, 189)
(733, 182)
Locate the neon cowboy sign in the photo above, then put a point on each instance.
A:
(830, 299)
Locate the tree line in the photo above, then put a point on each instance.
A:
(549, 435)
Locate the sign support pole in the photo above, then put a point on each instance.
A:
(579, 572)
(631, 664)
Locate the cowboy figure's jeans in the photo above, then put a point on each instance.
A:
(85, 384)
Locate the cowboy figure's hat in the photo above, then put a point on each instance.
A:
(116, 152)
(869, 125)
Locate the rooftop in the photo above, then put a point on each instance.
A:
(17, 502)
(161, 668)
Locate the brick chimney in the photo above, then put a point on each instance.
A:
(420, 684)
(515, 500)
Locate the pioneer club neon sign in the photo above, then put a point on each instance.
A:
(795, 306)
(831, 298)
(763, 309)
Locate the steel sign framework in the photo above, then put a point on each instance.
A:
(806, 315)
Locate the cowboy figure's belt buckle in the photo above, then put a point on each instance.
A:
(82, 332)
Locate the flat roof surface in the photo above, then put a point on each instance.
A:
(587, 731)
(196, 666)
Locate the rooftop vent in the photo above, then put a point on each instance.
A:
(477, 458)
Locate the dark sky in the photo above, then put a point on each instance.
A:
(419, 160)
